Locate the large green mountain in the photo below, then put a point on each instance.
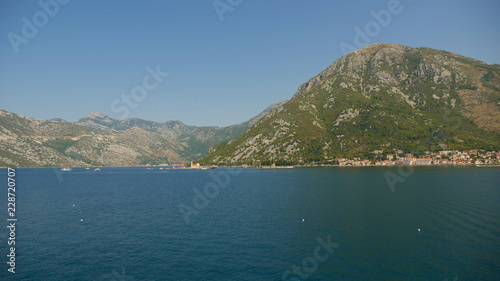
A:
(385, 97)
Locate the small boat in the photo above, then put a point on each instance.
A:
(66, 169)
(97, 170)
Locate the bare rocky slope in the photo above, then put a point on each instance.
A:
(97, 140)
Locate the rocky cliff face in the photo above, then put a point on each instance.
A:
(30, 142)
(382, 97)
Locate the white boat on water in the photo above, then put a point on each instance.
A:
(97, 170)
(66, 169)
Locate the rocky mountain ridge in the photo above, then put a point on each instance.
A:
(98, 140)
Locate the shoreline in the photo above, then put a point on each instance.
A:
(276, 167)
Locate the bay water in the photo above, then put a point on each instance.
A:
(342, 223)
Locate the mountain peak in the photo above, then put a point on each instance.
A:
(377, 46)
(96, 114)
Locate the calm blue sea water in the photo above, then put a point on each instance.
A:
(255, 224)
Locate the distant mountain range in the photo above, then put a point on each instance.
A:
(383, 98)
(99, 140)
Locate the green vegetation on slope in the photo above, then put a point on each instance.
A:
(384, 97)
(60, 144)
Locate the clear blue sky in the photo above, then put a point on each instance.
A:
(90, 53)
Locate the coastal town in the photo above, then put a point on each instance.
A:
(444, 157)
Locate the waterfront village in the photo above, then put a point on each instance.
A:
(445, 157)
